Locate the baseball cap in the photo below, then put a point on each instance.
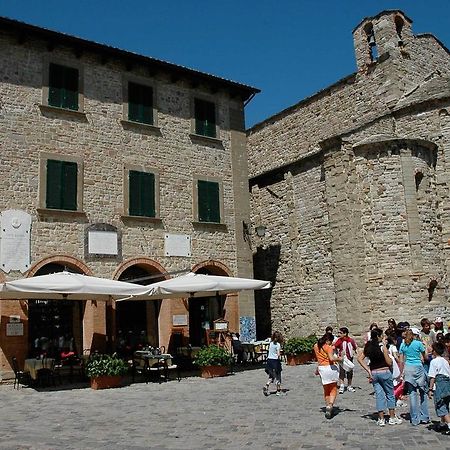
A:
(402, 325)
(415, 331)
(438, 320)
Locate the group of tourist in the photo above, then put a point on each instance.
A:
(401, 362)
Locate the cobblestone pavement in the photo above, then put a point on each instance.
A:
(221, 413)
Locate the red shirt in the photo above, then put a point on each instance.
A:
(351, 346)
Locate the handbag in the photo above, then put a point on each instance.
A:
(347, 365)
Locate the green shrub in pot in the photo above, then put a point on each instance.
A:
(299, 345)
(212, 355)
(101, 365)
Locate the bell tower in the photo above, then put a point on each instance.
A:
(380, 37)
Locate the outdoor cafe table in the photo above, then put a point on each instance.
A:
(254, 350)
(32, 365)
(158, 363)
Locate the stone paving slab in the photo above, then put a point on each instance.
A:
(222, 413)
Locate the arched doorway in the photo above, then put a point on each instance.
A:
(203, 311)
(55, 326)
(136, 322)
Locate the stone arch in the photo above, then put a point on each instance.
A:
(216, 267)
(69, 261)
(142, 261)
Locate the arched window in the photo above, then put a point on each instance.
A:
(399, 22)
(373, 51)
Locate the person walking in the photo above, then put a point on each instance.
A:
(273, 363)
(380, 375)
(412, 351)
(346, 347)
(328, 371)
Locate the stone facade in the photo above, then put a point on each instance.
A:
(105, 144)
(352, 187)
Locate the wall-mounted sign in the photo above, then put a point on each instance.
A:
(103, 243)
(14, 329)
(179, 320)
(15, 240)
(14, 319)
(177, 245)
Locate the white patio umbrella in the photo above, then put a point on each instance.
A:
(68, 286)
(199, 285)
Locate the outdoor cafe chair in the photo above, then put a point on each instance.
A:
(139, 366)
(170, 367)
(20, 376)
(47, 375)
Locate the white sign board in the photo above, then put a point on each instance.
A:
(14, 329)
(103, 243)
(15, 240)
(177, 245)
(179, 320)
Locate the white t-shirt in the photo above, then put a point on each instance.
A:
(439, 366)
(274, 348)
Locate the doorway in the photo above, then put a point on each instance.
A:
(54, 326)
(136, 322)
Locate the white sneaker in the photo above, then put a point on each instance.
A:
(341, 389)
(381, 422)
(351, 389)
(395, 420)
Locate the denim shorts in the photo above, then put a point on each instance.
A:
(442, 406)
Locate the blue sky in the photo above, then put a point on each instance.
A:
(289, 49)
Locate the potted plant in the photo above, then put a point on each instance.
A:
(105, 371)
(299, 350)
(214, 361)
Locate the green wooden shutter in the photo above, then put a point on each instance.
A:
(55, 85)
(53, 191)
(208, 201)
(71, 88)
(140, 103)
(141, 194)
(63, 87)
(205, 118)
(69, 185)
(61, 189)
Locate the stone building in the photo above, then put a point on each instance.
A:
(349, 190)
(121, 166)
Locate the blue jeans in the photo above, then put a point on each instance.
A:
(384, 390)
(417, 380)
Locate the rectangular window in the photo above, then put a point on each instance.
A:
(205, 118)
(140, 103)
(141, 194)
(61, 189)
(208, 201)
(63, 87)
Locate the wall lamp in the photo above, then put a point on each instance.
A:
(260, 230)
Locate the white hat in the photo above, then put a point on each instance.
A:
(415, 331)
(438, 320)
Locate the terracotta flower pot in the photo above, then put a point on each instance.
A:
(106, 381)
(213, 371)
(302, 358)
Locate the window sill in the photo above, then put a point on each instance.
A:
(127, 218)
(60, 212)
(207, 139)
(62, 111)
(138, 126)
(209, 225)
